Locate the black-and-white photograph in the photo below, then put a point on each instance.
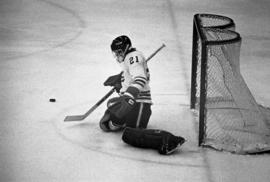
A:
(134, 91)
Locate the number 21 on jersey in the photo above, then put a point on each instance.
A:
(135, 59)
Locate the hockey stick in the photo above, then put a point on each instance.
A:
(82, 117)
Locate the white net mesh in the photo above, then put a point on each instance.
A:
(233, 120)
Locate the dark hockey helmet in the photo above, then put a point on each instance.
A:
(120, 45)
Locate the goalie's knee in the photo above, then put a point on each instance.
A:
(107, 124)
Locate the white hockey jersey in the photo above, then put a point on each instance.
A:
(136, 74)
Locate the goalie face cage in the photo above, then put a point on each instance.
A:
(229, 117)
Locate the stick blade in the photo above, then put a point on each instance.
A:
(74, 118)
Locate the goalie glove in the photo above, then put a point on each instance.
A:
(114, 81)
(121, 106)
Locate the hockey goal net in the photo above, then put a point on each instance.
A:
(229, 117)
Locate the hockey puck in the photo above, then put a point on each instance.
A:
(52, 100)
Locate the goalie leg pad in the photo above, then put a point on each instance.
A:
(164, 142)
(142, 138)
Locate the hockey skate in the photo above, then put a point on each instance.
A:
(170, 143)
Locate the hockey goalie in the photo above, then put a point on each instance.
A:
(131, 111)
